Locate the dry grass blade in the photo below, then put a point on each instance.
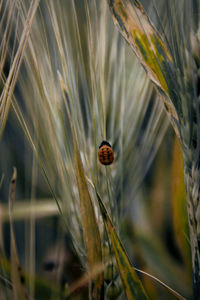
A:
(132, 285)
(147, 44)
(12, 190)
(179, 205)
(7, 12)
(173, 292)
(142, 36)
(90, 227)
(9, 84)
(17, 276)
(24, 210)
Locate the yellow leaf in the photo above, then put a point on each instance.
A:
(179, 206)
(148, 46)
(132, 285)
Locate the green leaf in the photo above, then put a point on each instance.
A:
(132, 285)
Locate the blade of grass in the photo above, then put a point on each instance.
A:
(90, 227)
(17, 276)
(89, 222)
(142, 36)
(132, 285)
(148, 46)
(173, 292)
(6, 96)
(43, 208)
(179, 206)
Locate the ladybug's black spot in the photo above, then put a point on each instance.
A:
(104, 143)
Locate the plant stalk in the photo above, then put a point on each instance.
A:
(192, 184)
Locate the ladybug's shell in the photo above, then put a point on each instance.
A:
(106, 155)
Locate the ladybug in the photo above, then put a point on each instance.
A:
(106, 153)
